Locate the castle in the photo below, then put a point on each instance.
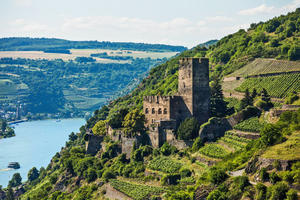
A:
(165, 113)
(192, 99)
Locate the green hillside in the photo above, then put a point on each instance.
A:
(188, 173)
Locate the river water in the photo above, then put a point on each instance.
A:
(34, 145)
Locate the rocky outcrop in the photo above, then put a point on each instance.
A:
(257, 164)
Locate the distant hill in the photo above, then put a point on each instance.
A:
(46, 44)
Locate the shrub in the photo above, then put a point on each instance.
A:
(263, 174)
(277, 191)
(241, 182)
(53, 178)
(218, 176)
(292, 195)
(185, 173)
(274, 177)
(198, 143)
(260, 104)
(108, 175)
(188, 129)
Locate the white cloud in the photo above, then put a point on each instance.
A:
(17, 22)
(25, 26)
(22, 2)
(264, 9)
(257, 10)
(219, 19)
(33, 26)
(133, 25)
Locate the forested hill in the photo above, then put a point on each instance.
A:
(43, 44)
(277, 38)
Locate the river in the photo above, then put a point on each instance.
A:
(34, 145)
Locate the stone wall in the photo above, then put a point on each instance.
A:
(93, 145)
(156, 108)
(216, 127)
(127, 144)
(286, 106)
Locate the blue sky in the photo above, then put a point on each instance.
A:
(186, 23)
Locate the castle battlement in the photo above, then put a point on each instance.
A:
(157, 99)
(194, 61)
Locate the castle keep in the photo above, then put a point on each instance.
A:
(192, 99)
(165, 113)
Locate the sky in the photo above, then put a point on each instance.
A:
(187, 23)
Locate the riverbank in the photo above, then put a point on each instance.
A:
(35, 145)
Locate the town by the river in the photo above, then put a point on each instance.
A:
(35, 143)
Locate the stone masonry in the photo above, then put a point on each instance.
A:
(165, 113)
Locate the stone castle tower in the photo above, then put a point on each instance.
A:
(192, 99)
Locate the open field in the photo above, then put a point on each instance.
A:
(85, 52)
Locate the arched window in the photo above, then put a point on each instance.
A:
(159, 111)
(153, 110)
(165, 111)
(146, 111)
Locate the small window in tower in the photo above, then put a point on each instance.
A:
(146, 111)
(183, 85)
(165, 111)
(179, 111)
(159, 111)
(153, 110)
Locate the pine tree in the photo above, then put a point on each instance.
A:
(253, 94)
(9, 194)
(217, 104)
(247, 100)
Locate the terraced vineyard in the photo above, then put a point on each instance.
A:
(265, 66)
(250, 125)
(164, 164)
(135, 191)
(276, 86)
(234, 141)
(214, 150)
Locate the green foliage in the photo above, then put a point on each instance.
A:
(270, 134)
(90, 175)
(134, 190)
(53, 178)
(263, 174)
(72, 136)
(241, 182)
(108, 174)
(277, 86)
(277, 191)
(33, 174)
(184, 172)
(251, 125)
(294, 53)
(214, 151)
(99, 128)
(198, 143)
(216, 195)
(16, 180)
(164, 164)
(133, 122)
(292, 195)
(217, 176)
(291, 98)
(218, 107)
(116, 121)
(261, 191)
(188, 129)
(166, 149)
(181, 195)
(274, 178)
